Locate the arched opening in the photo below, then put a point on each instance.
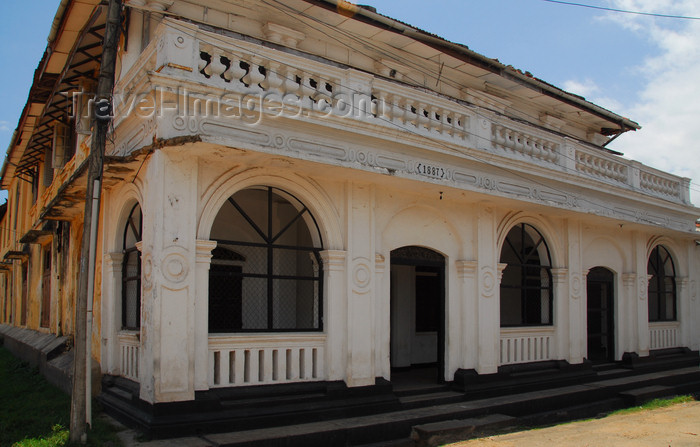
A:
(131, 270)
(600, 313)
(266, 271)
(526, 286)
(417, 315)
(662, 285)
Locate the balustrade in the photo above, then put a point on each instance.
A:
(129, 345)
(662, 335)
(317, 90)
(525, 347)
(255, 360)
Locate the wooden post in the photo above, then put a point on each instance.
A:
(100, 124)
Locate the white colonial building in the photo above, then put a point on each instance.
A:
(309, 191)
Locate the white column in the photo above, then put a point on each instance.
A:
(111, 311)
(169, 266)
(361, 284)
(382, 318)
(201, 317)
(561, 313)
(625, 326)
(683, 311)
(488, 295)
(334, 312)
(466, 272)
(576, 296)
(640, 303)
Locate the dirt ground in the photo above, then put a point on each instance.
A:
(676, 426)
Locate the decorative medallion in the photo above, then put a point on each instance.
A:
(576, 286)
(643, 283)
(175, 267)
(361, 275)
(488, 281)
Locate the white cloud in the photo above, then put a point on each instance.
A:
(4, 126)
(668, 107)
(584, 88)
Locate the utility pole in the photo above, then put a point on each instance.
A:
(102, 110)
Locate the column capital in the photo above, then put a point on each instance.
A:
(113, 261)
(628, 279)
(334, 260)
(379, 263)
(203, 249)
(466, 269)
(501, 267)
(559, 275)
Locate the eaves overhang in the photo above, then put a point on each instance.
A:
(619, 124)
(68, 27)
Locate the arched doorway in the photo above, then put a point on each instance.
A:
(417, 314)
(600, 315)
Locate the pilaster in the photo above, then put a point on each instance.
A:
(361, 285)
(383, 310)
(466, 272)
(112, 314)
(168, 278)
(561, 313)
(683, 310)
(201, 319)
(488, 293)
(334, 312)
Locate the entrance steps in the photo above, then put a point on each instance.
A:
(330, 414)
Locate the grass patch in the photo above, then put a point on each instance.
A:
(654, 404)
(34, 413)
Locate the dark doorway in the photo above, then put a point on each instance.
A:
(601, 316)
(417, 314)
(46, 289)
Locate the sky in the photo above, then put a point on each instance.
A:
(642, 67)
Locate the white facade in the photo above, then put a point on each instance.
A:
(396, 166)
(380, 165)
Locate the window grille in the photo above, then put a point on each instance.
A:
(266, 272)
(526, 286)
(662, 285)
(131, 271)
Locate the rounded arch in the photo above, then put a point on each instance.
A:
(615, 257)
(128, 196)
(526, 287)
(442, 238)
(662, 292)
(308, 193)
(672, 248)
(536, 222)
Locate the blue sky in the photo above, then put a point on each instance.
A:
(644, 68)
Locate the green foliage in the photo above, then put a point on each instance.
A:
(656, 403)
(34, 413)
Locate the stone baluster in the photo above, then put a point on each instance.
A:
(234, 71)
(290, 84)
(273, 80)
(254, 76)
(398, 110)
(216, 67)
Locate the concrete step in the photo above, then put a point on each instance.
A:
(639, 396)
(422, 400)
(444, 432)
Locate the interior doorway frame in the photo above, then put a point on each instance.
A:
(434, 260)
(598, 278)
